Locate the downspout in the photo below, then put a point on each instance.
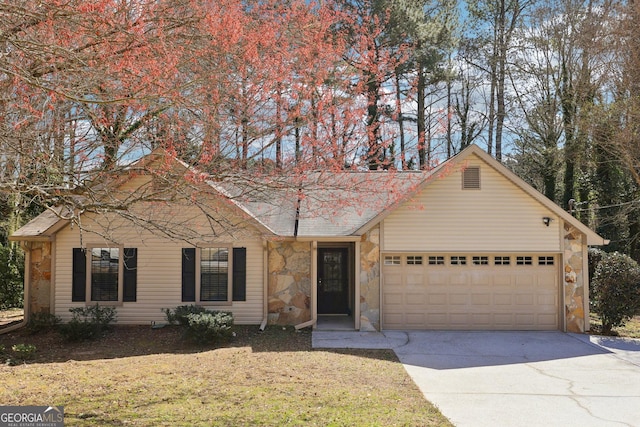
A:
(27, 279)
(265, 281)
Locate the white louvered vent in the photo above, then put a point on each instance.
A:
(471, 178)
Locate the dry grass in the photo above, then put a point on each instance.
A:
(140, 376)
(631, 329)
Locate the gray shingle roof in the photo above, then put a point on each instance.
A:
(324, 204)
(42, 227)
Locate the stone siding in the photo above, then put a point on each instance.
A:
(370, 281)
(574, 280)
(40, 284)
(289, 283)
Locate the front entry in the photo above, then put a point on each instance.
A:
(333, 281)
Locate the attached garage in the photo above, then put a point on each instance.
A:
(471, 291)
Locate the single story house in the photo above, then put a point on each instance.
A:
(468, 246)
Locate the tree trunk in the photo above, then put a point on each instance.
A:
(422, 143)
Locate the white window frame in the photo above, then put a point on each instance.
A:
(229, 300)
(458, 260)
(524, 260)
(502, 260)
(415, 260)
(480, 260)
(435, 260)
(392, 260)
(546, 260)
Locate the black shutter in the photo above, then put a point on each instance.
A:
(130, 274)
(188, 274)
(79, 276)
(239, 274)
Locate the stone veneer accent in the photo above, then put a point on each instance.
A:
(574, 280)
(289, 282)
(40, 282)
(370, 281)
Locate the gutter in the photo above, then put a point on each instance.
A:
(27, 279)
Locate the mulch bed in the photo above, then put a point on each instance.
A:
(128, 341)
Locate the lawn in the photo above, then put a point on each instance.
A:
(631, 329)
(143, 376)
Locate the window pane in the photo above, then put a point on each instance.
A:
(392, 260)
(214, 274)
(523, 260)
(502, 260)
(436, 260)
(481, 260)
(545, 260)
(414, 260)
(104, 274)
(458, 260)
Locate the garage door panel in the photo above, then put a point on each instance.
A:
(503, 299)
(415, 319)
(392, 278)
(482, 320)
(480, 278)
(391, 299)
(548, 301)
(525, 299)
(415, 279)
(525, 280)
(549, 320)
(437, 319)
(502, 280)
(434, 299)
(481, 299)
(437, 278)
(415, 299)
(458, 299)
(459, 319)
(501, 296)
(525, 320)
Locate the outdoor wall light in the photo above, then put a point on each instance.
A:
(546, 220)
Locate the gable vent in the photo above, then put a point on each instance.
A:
(471, 178)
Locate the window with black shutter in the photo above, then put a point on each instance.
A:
(239, 274)
(188, 274)
(214, 275)
(130, 274)
(79, 277)
(107, 268)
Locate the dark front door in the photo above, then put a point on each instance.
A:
(333, 281)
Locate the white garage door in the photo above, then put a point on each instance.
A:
(470, 291)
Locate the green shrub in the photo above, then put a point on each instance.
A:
(201, 325)
(11, 278)
(88, 322)
(615, 290)
(209, 326)
(41, 322)
(180, 314)
(24, 351)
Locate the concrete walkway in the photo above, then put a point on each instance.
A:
(515, 378)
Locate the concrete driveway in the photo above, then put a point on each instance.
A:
(515, 378)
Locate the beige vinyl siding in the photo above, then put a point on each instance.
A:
(498, 217)
(159, 277)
